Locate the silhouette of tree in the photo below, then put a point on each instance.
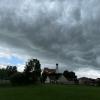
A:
(18, 79)
(33, 70)
(11, 70)
(69, 75)
(3, 74)
(43, 77)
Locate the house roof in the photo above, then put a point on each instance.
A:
(49, 71)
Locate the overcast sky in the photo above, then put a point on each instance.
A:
(54, 31)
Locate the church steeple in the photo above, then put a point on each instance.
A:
(57, 71)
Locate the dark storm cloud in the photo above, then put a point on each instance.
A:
(67, 31)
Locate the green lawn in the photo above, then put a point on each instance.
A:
(50, 92)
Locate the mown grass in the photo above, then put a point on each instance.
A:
(50, 92)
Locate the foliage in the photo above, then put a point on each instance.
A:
(18, 79)
(43, 77)
(33, 70)
(3, 74)
(69, 75)
(31, 74)
(11, 70)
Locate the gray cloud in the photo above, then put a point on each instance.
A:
(66, 31)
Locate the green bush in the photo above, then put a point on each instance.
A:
(18, 79)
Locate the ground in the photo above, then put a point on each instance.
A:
(50, 92)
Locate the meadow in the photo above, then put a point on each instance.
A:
(50, 92)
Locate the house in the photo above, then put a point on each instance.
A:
(47, 80)
(87, 81)
(49, 71)
(63, 80)
(83, 81)
(52, 74)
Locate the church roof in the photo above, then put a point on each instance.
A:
(47, 70)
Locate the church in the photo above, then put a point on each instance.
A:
(54, 76)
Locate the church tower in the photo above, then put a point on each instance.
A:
(57, 70)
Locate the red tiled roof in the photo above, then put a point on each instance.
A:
(47, 70)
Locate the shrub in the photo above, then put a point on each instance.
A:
(18, 79)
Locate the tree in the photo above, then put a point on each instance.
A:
(33, 70)
(11, 70)
(70, 75)
(18, 79)
(43, 77)
(3, 74)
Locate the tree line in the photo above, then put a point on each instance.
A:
(31, 74)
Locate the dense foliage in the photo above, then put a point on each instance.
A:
(31, 74)
(69, 75)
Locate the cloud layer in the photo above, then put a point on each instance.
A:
(64, 31)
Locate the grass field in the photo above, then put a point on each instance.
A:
(50, 92)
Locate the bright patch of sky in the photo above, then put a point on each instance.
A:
(8, 57)
(88, 72)
(13, 60)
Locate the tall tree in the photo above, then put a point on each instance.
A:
(33, 69)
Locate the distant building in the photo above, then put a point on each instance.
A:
(87, 81)
(57, 69)
(47, 80)
(49, 71)
(53, 76)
